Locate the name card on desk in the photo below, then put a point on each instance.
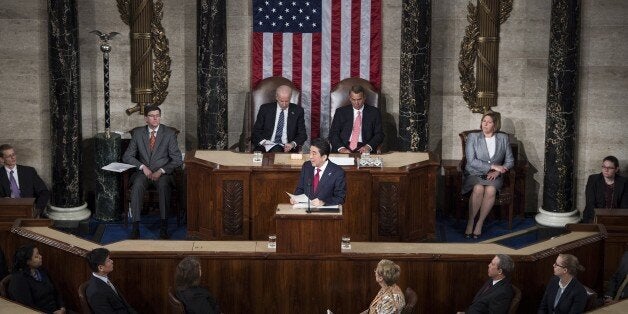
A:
(342, 161)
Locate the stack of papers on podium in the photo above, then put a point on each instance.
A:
(302, 202)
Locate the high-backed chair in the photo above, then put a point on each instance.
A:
(514, 304)
(340, 97)
(263, 93)
(176, 307)
(591, 299)
(4, 286)
(85, 309)
(411, 300)
(505, 198)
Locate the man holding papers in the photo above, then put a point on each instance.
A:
(321, 180)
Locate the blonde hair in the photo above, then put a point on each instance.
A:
(496, 116)
(571, 264)
(389, 271)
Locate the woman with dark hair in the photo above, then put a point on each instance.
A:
(564, 293)
(30, 285)
(488, 156)
(606, 189)
(195, 299)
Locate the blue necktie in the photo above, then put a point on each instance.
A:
(279, 130)
(15, 190)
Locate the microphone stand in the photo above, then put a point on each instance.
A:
(309, 210)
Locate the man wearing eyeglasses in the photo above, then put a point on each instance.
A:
(607, 189)
(19, 181)
(155, 152)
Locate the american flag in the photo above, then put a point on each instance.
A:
(316, 44)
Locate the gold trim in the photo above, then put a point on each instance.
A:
(140, 35)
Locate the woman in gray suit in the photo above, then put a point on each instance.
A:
(488, 157)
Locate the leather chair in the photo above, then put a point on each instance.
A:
(591, 299)
(151, 197)
(340, 97)
(4, 286)
(514, 304)
(175, 305)
(411, 300)
(505, 198)
(263, 93)
(85, 308)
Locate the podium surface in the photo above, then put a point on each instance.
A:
(299, 232)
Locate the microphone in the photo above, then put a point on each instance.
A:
(307, 193)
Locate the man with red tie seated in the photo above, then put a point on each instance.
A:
(102, 295)
(280, 126)
(356, 128)
(497, 293)
(321, 180)
(21, 181)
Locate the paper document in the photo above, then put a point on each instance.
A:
(304, 205)
(268, 145)
(342, 161)
(301, 198)
(117, 167)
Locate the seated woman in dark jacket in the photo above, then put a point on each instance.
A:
(564, 294)
(195, 299)
(606, 189)
(30, 285)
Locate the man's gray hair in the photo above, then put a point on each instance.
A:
(506, 264)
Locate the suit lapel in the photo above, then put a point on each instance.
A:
(291, 120)
(159, 138)
(4, 181)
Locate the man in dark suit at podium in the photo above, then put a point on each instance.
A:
(155, 152)
(279, 126)
(102, 295)
(356, 128)
(21, 181)
(321, 180)
(496, 294)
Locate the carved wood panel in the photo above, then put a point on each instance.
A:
(232, 210)
(388, 225)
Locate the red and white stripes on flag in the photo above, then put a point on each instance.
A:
(289, 41)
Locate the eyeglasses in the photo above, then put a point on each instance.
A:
(154, 116)
(561, 266)
(608, 168)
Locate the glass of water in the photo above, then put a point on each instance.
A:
(272, 241)
(257, 156)
(345, 243)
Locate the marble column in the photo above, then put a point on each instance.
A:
(414, 93)
(106, 151)
(562, 86)
(67, 205)
(212, 74)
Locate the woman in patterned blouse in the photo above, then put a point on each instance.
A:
(389, 299)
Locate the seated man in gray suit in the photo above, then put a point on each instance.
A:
(280, 126)
(155, 152)
(497, 293)
(21, 181)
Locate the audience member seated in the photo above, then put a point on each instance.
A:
(321, 180)
(356, 128)
(154, 150)
(564, 293)
(605, 190)
(488, 156)
(22, 181)
(195, 299)
(102, 295)
(496, 294)
(389, 299)
(616, 281)
(30, 285)
(280, 126)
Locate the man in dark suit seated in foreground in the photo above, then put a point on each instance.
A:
(279, 126)
(496, 294)
(356, 128)
(321, 180)
(102, 295)
(21, 181)
(155, 152)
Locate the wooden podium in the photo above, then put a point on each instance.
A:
(14, 208)
(615, 221)
(299, 232)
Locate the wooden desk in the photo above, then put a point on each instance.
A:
(616, 223)
(12, 209)
(247, 277)
(231, 198)
(301, 233)
(9, 307)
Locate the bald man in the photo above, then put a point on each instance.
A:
(280, 125)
